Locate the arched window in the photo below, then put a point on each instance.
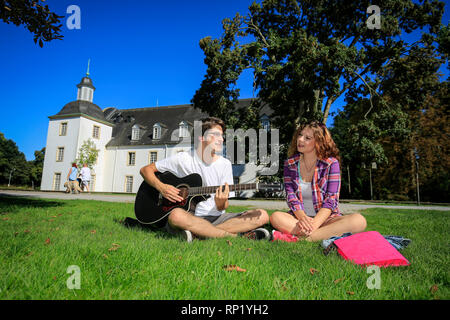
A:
(183, 130)
(156, 131)
(265, 122)
(135, 132)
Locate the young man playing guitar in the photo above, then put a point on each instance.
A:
(210, 220)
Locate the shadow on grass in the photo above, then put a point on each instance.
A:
(23, 201)
(133, 224)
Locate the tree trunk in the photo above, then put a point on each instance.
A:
(327, 108)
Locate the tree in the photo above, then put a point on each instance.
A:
(407, 125)
(12, 163)
(37, 17)
(88, 154)
(306, 54)
(36, 166)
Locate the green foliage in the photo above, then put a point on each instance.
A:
(37, 17)
(12, 162)
(88, 154)
(305, 54)
(37, 166)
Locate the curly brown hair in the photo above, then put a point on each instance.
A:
(325, 146)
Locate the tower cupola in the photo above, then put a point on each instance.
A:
(86, 88)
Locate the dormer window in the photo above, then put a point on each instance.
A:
(157, 131)
(265, 122)
(183, 130)
(135, 132)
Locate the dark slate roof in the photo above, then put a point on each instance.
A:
(169, 118)
(79, 107)
(86, 82)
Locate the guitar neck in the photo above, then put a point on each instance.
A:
(233, 187)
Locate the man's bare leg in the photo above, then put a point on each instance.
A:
(184, 220)
(249, 220)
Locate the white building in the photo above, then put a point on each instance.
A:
(128, 139)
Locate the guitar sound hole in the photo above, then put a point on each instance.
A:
(184, 192)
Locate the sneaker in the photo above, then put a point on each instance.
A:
(187, 235)
(287, 237)
(257, 234)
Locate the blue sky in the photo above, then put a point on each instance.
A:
(142, 53)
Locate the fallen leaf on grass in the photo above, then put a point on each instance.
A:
(27, 231)
(4, 219)
(219, 253)
(350, 293)
(229, 243)
(105, 256)
(93, 231)
(233, 267)
(114, 247)
(338, 280)
(47, 241)
(434, 288)
(248, 249)
(312, 271)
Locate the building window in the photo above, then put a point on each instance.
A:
(131, 158)
(265, 123)
(56, 181)
(183, 130)
(96, 132)
(60, 154)
(63, 129)
(129, 184)
(135, 132)
(153, 157)
(92, 183)
(156, 131)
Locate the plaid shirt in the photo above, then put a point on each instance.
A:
(326, 184)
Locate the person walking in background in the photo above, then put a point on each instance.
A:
(312, 181)
(72, 177)
(85, 174)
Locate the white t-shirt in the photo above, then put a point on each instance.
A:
(307, 198)
(214, 174)
(85, 174)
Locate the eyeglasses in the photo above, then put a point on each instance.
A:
(216, 134)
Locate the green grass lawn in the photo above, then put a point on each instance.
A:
(40, 239)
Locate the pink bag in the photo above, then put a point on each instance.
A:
(367, 248)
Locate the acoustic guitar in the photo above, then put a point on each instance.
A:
(151, 207)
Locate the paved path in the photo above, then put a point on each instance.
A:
(265, 204)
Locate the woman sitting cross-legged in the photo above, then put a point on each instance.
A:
(312, 181)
